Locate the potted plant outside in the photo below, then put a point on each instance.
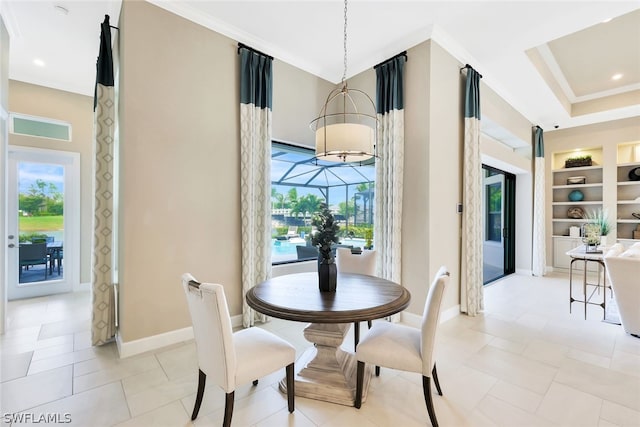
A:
(326, 235)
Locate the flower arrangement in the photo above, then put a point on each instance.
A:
(327, 233)
(600, 218)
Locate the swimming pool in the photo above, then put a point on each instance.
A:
(285, 250)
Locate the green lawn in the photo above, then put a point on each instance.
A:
(30, 224)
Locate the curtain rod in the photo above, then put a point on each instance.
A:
(242, 45)
(107, 18)
(469, 66)
(392, 58)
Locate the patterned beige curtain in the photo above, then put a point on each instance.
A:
(471, 298)
(103, 318)
(539, 247)
(389, 168)
(255, 173)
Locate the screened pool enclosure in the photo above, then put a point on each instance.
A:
(300, 183)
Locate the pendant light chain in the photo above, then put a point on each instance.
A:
(344, 74)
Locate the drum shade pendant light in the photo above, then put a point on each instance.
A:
(347, 125)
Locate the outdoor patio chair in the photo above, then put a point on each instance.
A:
(34, 254)
(292, 232)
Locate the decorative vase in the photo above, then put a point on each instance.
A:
(576, 196)
(327, 276)
(603, 240)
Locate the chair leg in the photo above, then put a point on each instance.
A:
(356, 335)
(228, 410)
(434, 372)
(202, 380)
(426, 388)
(359, 384)
(255, 382)
(369, 323)
(291, 384)
(377, 371)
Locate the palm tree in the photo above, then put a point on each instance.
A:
(308, 203)
(365, 190)
(279, 198)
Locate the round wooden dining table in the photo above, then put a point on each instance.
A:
(326, 371)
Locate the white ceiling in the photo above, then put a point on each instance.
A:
(492, 36)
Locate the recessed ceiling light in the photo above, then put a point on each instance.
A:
(39, 62)
(61, 9)
(617, 76)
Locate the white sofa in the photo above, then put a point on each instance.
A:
(623, 269)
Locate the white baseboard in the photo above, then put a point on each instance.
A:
(154, 342)
(524, 272)
(415, 320)
(81, 287)
(450, 313)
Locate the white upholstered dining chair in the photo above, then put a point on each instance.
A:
(363, 263)
(404, 348)
(231, 359)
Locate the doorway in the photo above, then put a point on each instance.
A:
(499, 223)
(43, 222)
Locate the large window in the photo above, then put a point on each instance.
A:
(300, 183)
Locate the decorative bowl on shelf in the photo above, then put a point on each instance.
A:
(575, 212)
(576, 196)
(634, 174)
(572, 180)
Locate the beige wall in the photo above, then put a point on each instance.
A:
(430, 224)
(297, 99)
(446, 167)
(180, 170)
(77, 110)
(516, 161)
(500, 112)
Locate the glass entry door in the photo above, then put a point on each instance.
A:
(43, 222)
(499, 226)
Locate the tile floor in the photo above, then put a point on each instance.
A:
(525, 362)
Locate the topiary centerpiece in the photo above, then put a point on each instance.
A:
(326, 235)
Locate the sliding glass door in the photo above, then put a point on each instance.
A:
(499, 223)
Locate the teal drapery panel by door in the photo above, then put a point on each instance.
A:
(539, 248)
(389, 167)
(103, 316)
(471, 298)
(256, 88)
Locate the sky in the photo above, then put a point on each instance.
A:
(28, 173)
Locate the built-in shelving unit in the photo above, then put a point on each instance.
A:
(562, 187)
(606, 186)
(628, 193)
